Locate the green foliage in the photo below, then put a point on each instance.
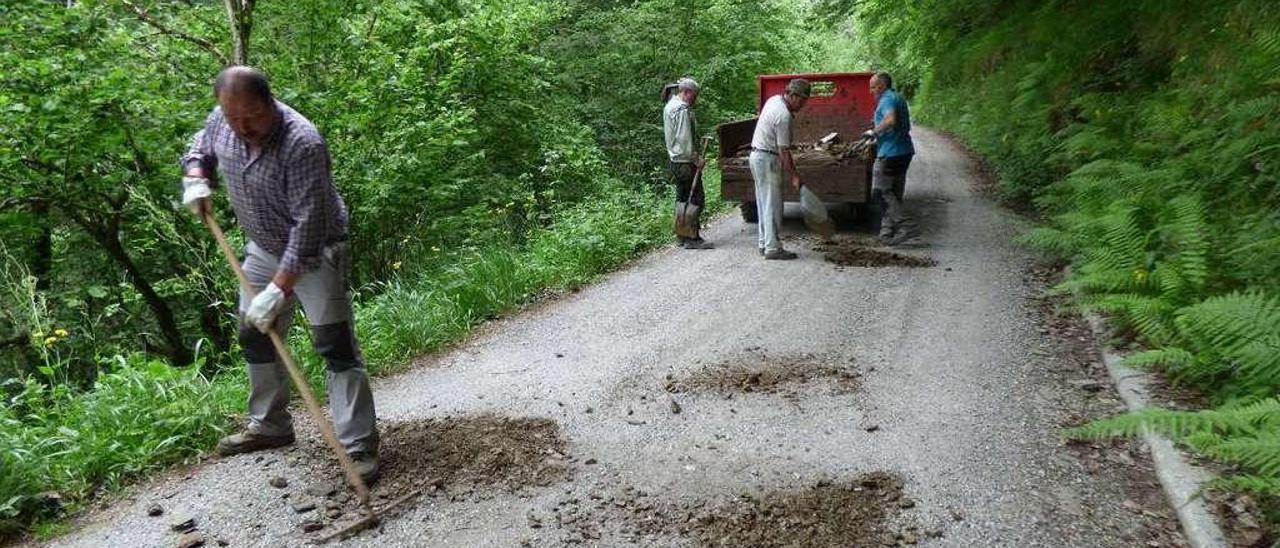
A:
(1145, 131)
(1246, 435)
(616, 60)
(87, 130)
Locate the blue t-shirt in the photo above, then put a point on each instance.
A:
(895, 142)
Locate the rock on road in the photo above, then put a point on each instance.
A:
(953, 370)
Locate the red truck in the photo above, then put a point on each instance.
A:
(839, 103)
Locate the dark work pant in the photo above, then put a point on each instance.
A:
(892, 174)
(888, 183)
(683, 174)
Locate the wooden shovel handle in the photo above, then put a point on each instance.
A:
(697, 181)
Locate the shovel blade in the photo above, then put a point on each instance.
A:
(688, 224)
(815, 213)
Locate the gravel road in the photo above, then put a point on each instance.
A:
(961, 394)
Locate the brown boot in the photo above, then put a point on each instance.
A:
(248, 441)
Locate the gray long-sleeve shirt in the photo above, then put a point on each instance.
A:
(678, 126)
(284, 197)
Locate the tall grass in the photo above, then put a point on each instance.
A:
(138, 417)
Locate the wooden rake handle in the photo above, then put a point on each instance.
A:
(299, 381)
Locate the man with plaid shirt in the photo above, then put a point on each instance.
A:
(276, 170)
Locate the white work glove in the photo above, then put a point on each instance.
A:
(265, 307)
(195, 189)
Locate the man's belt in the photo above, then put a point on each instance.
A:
(764, 150)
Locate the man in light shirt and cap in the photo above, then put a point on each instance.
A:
(770, 151)
(679, 126)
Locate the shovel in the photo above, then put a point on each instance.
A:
(357, 483)
(815, 213)
(687, 224)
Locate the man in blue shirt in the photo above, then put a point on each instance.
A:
(892, 131)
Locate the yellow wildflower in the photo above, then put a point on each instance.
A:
(49, 341)
(396, 265)
(38, 334)
(60, 332)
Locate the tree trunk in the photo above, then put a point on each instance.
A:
(42, 263)
(240, 17)
(176, 350)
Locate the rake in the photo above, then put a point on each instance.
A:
(370, 517)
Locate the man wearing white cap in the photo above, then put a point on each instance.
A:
(679, 127)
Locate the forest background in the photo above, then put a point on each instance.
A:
(493, 153)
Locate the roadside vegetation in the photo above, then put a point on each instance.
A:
(1146, 134)
(493, 153)
(490, 153)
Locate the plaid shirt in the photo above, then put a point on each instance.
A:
(284, 197)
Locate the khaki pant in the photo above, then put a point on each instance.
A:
(766, 169)
(323, 295)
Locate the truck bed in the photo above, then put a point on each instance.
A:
(835, 180)
(840, 103)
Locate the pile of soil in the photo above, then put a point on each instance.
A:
(851, 513)
(464, 453)
(854, 253)
(863, 511)
(466, 457)
(760, 373)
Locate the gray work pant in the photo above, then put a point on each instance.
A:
(323, 294)
(888, 181)
(766, 169)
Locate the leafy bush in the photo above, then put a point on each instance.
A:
(1146, 132)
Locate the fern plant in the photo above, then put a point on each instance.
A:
(1246, 435)
(1235, 340)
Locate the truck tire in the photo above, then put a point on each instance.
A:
(863, 215)
(748, 211)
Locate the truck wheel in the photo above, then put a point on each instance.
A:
(861, 215)
(863, 212)
(748, 211)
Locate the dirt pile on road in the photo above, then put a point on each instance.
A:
(464, 453)
(757, 372)
(851, 513)
(855, 253)
(463, 457)
(862, 511)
